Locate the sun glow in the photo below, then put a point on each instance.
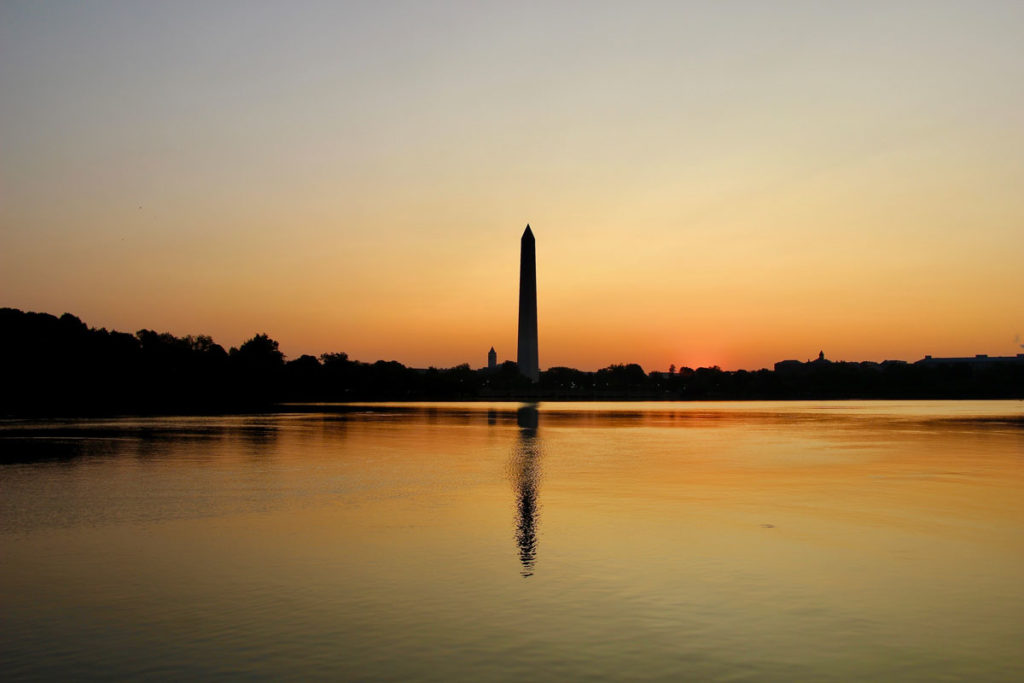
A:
(710, 186)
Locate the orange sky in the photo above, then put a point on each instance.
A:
(718, 183)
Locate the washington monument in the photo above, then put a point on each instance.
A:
(526, 358)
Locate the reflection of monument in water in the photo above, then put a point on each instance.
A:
(525, 474)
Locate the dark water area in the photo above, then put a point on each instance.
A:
(606, 541)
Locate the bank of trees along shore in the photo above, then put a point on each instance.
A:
(59, 365)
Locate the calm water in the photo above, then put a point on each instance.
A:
(668, 541)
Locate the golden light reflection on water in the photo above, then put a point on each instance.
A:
(772, 541)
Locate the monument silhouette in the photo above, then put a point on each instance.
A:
(526, 357)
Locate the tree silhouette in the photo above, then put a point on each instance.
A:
(59, 365)
(260, 351)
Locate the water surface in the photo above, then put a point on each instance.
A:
(660, 541)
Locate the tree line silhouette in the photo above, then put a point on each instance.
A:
(54, 365)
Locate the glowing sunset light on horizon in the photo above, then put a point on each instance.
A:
(726, 184)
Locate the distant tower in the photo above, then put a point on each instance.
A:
(526, 358)
(492, 359)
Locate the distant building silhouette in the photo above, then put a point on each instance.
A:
(788, 365)
(796, 366)
(526, 357)
(980, 359)
(492, 359)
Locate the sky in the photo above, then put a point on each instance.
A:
(710, 183)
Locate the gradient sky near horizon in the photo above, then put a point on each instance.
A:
(728, 183)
